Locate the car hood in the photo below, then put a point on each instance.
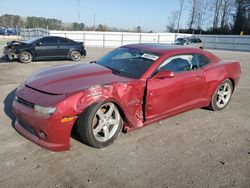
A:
(16, 43)
(67, 79)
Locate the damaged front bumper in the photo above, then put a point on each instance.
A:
(46, 131)
(12, 54)
(49, 130)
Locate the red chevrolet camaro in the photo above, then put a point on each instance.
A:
(130, 87)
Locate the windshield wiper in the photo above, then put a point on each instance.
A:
(115, 71)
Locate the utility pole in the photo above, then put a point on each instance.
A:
(79, 13)
(94, 21)
(79, 5)
(179, 17)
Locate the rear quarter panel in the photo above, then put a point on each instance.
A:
(216, 73)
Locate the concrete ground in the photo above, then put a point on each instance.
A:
(199, 148)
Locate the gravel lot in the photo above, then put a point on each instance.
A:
(199, 148)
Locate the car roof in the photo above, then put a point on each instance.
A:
(159, 48)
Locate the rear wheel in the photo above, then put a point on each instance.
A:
(100, 124)
(25, 57)
(222, 95)
(75, 55)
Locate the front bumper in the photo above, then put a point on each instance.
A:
(45, 130)
(10, 53)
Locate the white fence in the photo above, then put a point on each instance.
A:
(226, 42)
(115, 39)
(33, 33)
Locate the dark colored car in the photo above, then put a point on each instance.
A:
(12, 31)
(129, 88)
(3, 31)
(46, 48)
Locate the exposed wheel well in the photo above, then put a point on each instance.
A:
(232, 80)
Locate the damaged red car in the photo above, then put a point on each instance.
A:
(130, 87)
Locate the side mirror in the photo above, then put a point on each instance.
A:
(39, 44)
(163, 74)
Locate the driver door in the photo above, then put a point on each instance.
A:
(47, 47)
(172, 95)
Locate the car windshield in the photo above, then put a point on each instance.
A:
(30, 40)
(128, 62)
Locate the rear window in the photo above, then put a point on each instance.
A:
(64, 41)
(203, 60)
(199, 40)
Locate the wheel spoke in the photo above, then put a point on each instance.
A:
(226, 93)
(113, 122)
(110, 111)
(106, 132)
(224, 101)
(100, 114)
(219, 101)
(225, 86)
(98, 128)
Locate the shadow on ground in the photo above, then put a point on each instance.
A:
(5, 59)
(8, 106)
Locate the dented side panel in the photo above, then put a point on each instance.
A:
(128, 96)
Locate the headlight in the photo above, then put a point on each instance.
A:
(44, 110)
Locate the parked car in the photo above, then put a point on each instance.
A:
(45, 48)
(189, 41)
(9, 31)
(130, 87)
(3, 31)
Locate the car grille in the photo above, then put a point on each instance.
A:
(24, 102)
(27, 127)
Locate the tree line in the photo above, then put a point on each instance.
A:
(15, 21)
(205, 16)
(213, 17)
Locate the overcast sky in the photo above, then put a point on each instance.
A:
(127, 14)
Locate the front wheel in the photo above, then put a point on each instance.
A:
(75, 55)
(222, 95)
(100, 124)
(25, 57)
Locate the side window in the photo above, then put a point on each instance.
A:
(203, 60)
(191, 41)
(199, 40)
(48, 41)
(180, 63)
(64, 41)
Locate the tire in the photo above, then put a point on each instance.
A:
(221, 96)
(100, 124)
(25, 57)
(10, 56)
(75, 55)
